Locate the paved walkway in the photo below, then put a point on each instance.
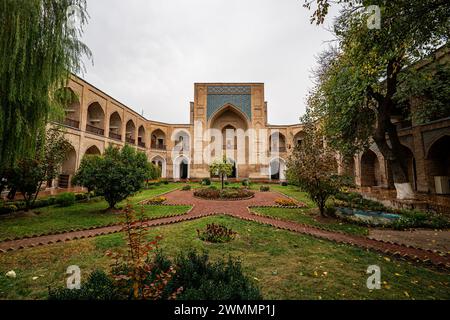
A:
(424, 239)
(239, 209)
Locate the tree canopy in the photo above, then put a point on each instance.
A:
(39, 48)
(361, 79)
(117, 174)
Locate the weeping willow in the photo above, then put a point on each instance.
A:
(39, 48)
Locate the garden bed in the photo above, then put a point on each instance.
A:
(228, 194)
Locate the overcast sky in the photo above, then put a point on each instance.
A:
(149, 53)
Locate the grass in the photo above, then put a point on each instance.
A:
(81, 215)
(302, 216)
(283, 264)
(308, 215)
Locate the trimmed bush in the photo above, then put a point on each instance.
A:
(216, 234)
(99, 286)
(65, 199)
(205, 280)
(157, 200)
(264, 189)
(186, 188)
(286, 203)
(246, 182)
(284, 184)
(228, 193)
(206, 182)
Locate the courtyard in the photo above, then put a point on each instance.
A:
(288, 253)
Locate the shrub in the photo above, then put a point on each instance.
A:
(65, 199)
(186, 188)
(227, 183)
(117, 174)
(204, 280)
(286, 203)
(284, 184)
(216, 234)
(246, 183)
(206, 182)
(228, 193)
(98, 286)
(264, 188)
(165, 182)
(416, 219)
(157, 200)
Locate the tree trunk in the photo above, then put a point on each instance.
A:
(386, 129)
(222, 181)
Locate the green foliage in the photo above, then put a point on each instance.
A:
(216, 234)
(186, 187)
(222, 169)
(117, 174)
(206, 182)
(227, 193)
(246, 183)
(358, 80)
(99, 286)
(284, 184)
(65, 199)
(38, 51)
(431, 91)
(313, 167)
(264, 188)
(416, 219)
(205, 280)
(29, 173)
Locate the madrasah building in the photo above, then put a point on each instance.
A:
(230, 119)
(226, 119)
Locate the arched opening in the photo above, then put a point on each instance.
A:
(298, 139)
(348, 166)
(141, 137)
(130, 132)
(71, 102)
(95, 119)
(234, 172)
(410, 162)
(160, 162)
(438, 163)
(370, 170)
(230, 125)
(182, 141)
(277, 169)
(68, 169)
(277, 142)
(158, 140)
(115, 126)
(181, 168)
(93, 150)
(230, 139)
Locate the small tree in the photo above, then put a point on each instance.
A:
(313, 167)
(117, 174)
(221, 168)
(28, 174)
(86, 174)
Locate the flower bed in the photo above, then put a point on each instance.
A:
(225, 194)
(286, 203)
(216, 234)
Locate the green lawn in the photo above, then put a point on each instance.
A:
(302, 216)
(285, 265)
(81, 215)
(307, 215)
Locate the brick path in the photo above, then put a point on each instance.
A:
(240, 209)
